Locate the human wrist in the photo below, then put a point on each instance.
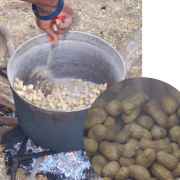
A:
(46, 12)
(47, 3)
(47, 8)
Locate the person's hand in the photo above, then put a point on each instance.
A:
(56, 27)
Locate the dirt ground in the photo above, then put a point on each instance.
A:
(117, 21)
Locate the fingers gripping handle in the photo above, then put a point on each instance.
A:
(57, 21)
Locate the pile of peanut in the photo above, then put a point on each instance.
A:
(67, 95)
(145, 147)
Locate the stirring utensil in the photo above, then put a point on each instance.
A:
(42, 76)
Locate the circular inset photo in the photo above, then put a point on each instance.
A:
(133, 131)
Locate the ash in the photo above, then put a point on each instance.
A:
(71, 165)
(62, 166)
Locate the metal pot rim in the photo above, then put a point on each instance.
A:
(43, 35)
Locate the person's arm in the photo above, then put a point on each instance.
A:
(49, 3)
(45, 8)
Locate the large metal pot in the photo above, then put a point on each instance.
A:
(78, 55)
